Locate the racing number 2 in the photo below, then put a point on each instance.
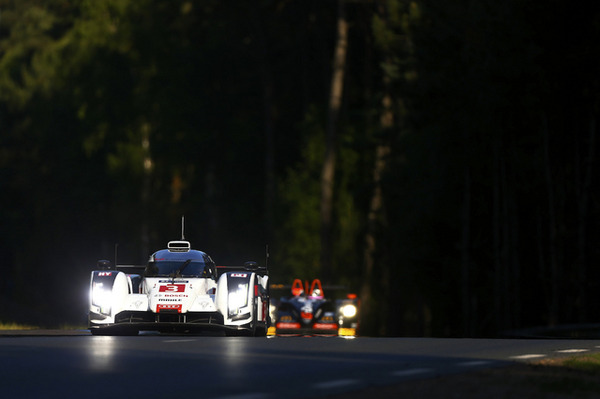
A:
(172, 288)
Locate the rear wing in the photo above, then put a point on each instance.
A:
(129, 269)
(139, 269)
(305, 288)
(247, 267)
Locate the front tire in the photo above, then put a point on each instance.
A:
(258, 329)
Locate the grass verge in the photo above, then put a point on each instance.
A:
(561, 378)
(15, 326)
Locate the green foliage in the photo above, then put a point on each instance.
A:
(15, 326)
(588, 363)
(298, 240)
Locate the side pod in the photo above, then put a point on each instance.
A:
(108, 289)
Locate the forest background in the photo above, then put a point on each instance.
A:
(439, 158)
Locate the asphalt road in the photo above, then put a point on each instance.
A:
(79, 365)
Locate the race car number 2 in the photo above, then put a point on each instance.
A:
(172, 288)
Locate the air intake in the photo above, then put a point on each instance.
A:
(178, 246)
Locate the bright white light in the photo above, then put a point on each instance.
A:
(101, 297)
(101, 355)
(237, 299)
(348, 310)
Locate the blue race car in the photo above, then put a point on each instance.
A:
(308, 312)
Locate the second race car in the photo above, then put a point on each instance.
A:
(309, 312)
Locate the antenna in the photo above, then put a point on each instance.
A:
(182, 228)
(116, 251)
(267, 256)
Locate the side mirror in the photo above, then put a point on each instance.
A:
(104, 265)
(151, 269)
(250, 265)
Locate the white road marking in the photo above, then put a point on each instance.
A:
(256, 395)
(473, 363)
(179, 340)
(335, 384)
(573, 350)
(410, 372)
(528, 356)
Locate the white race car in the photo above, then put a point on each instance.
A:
(179, 290)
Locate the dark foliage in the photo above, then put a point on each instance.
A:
(118, 117)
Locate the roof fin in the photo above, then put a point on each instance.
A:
(182, 228)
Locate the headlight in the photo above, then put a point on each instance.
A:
(348, 311)
(238, 299)
(102, 297)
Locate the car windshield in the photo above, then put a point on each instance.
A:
(173, 268)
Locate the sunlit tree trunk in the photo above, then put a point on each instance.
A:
(145, 194)
(375, 216)
(374, 224)
(329, 162)
(269, 156)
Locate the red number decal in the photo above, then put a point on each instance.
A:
(172, 288)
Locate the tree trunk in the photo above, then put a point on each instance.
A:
(264, 61)
(145, 194)
(583, 194)
(465, 255)
(497, 236)
(552, 228)
(329, 162)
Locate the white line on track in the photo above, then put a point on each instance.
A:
(256, 395)
(473, 363)
(410, 372)
(335, 384)
(179, 340)
(528, 356)
(573, 350)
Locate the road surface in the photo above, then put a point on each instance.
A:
(78, 365)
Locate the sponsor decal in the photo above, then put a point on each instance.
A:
(287, 325)
(264, 310)
(325, 326)
(104, 274)
(167, 306)
(347, 332)
(239, 275)
(306, 315)
(172, 288)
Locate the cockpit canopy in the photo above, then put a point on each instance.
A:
(179, 268)
(175, 263)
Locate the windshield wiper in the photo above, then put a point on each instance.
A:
(178, 272)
